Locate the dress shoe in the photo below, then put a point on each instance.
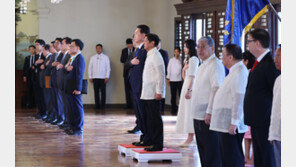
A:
(74, 132)
(44, 117)
(54, 121)
(139, 144)
(38, 116)
(64, 126)
(59, 123)
(153, 148)
(135, 130)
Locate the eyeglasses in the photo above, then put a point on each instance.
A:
(249, 41)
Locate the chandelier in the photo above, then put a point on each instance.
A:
(23, 5)
(55, 1)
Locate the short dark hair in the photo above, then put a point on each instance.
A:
(234, 50)
(59, 39)
(262, 36)
(99, 45)
(247, 55)
(67, 40)
(144, 29)
(191, 45)
(153, 37)
(78, 43)
(178, 48)
(46, 47)
(40, 41)
(52, 42)
(32, 46)
(129, 41)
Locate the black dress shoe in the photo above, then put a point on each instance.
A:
(54, 121)
(135, 130)
(59, 123)
(44, 117)
(74, 132)
(139, 144)
(38, 116)
(153, 148)
(64, 126)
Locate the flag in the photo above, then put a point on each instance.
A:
(241, 15)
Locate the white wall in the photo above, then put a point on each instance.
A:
(108, 22)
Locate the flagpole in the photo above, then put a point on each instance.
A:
(275, 12)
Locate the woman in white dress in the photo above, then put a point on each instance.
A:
(184, 119)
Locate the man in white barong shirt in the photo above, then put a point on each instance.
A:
(209, 77)
(153, 90)
(275, 118)
(228, 115)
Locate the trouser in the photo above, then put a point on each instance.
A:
(57, 104)
(76, 111)
(277, 152)
(175, 87)
(39, 98)
(153, 123)
(47, 99)
(100, 90)
(232, 149)
(128, 95)
(66, 106)
(263, 150)
(207, 144)
(138, 108)
(30, 99)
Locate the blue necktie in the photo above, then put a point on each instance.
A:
(136, 53)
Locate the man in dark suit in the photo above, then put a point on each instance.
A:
(45, 72)
(27, 75)
(56, 99)
(39, 96)
(135, 78)
(165, 57)
(75, 68)
(258, 97)
(125, 53)
(64, 112)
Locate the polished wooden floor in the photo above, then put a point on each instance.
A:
(44, 145)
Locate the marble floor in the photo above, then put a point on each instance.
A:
(44, 145)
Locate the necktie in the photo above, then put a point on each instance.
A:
(69, 61)
(136, 53)
(255, 64)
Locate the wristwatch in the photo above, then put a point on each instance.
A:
(190, 90)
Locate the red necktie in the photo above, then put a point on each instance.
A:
(255, 64)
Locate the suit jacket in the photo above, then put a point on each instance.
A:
(165, 57)
(61, 73)
(53, 80)
(136, 71)
(124, 58)
(27, 71)
(45, 71)
(77, 73)
(37, 70)
(259, 92)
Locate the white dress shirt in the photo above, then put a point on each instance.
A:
(153, 76)
(229, 101)
(209, 77)
(275, 119)
(262, 55)
(99, 66)
(73, 57)
(57, 55)
(174, 70)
